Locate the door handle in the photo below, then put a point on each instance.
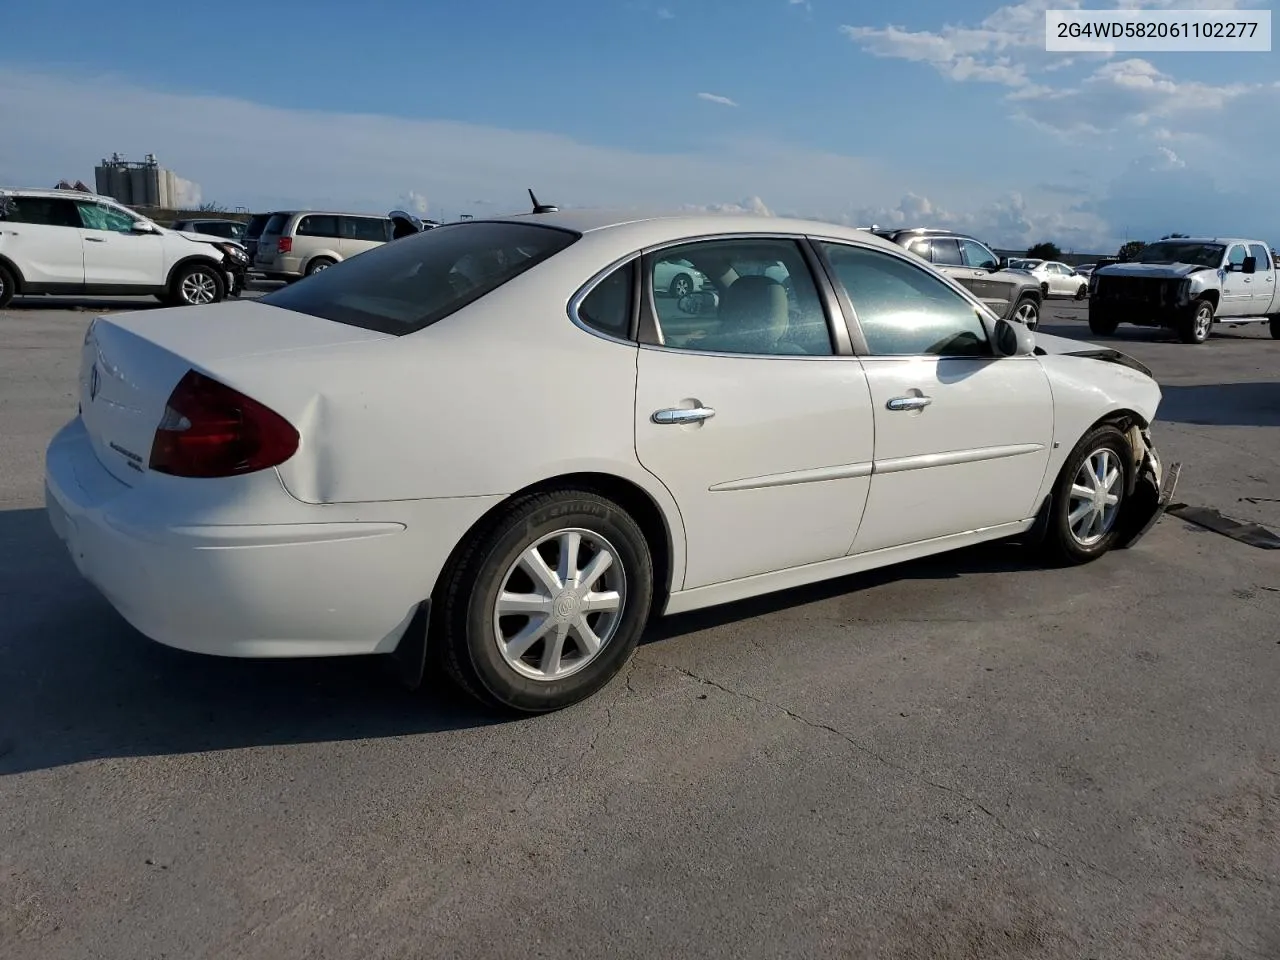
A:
(683, 415)
(95, 239)
(909, 403)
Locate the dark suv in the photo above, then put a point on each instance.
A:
(1009, 293)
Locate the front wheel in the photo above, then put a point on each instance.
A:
(195, 285)
(1088, 497)
(8, 287)
(1082, 292)
(546, 604)
(1275, 327)
(1027, 312)
(681, 285)
(1195, 326)
(1100, 325)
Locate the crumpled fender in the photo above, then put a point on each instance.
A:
(1151, 489)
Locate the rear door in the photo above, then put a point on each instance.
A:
(41, 235)
(748, 414)
(962, 436)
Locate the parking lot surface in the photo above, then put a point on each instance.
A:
(969, 757)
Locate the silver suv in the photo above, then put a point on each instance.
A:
(1008, 293)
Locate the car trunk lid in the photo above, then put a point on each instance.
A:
(131, 362)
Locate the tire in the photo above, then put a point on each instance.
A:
(1082, 292)
(318, 264)
(1274, 323)
(1101, 325)
(1195, 326)
(470, 641)
(196, 284)
(1068, 544)
(1027, 311)
(681, 285)
(9, 287)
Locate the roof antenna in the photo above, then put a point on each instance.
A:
(542, 207)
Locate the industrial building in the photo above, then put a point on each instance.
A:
(145, 184)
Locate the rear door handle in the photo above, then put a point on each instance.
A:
(909, 403)
(683, 415)
(95, 239)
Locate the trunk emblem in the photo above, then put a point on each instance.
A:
(94, 383)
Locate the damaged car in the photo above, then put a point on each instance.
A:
(497, 449)
(1187, 284)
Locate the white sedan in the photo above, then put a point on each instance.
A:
(492, 448)
(1056, 279)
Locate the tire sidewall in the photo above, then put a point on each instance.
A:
(506, 543)
(318, 264)
(8, 286)
(1029, 302)
(1105, 436)
(1197, 308)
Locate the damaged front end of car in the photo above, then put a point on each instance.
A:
(1151, 488)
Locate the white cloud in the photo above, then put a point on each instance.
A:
(665, 14)
(716, 98)
(415, 202)
(752, 205)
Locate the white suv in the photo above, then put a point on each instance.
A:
(68, 242)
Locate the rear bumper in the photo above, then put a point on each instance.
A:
(304, 588)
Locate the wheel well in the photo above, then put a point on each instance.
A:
(318, 256)
(627, 495)
(187, 261)
(1212, 297)
(13, 269)
(1121, 419)
(1029, 295)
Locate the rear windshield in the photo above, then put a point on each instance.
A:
(410, 284)
(276, 223)
(256, 223)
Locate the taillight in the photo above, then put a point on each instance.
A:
(211, 430)
(284, 244)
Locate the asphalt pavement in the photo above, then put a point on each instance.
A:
(968, 757)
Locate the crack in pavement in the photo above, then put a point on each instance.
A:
(543, 781)
(910, 774)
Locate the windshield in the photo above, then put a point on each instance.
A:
(410, 284)
(1199, 254)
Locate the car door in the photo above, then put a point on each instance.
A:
(115, 255)
(1264, 281)
(41, 235)
(1237, 286)
(993, 289)
(748, 412)
(962, 436)
(363, 233)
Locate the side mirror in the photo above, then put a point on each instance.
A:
(1013, 339)
(1250, 265)
(141, 226)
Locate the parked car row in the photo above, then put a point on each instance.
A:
(73, 242)
(500, 447)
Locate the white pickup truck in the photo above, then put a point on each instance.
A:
(1187, 284)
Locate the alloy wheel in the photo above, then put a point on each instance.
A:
(1028, 315)
(1095, 497)
(560, 603)
(199, 288)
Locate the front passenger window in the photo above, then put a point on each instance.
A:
(95, 216)
(905, 310)
(978, 256)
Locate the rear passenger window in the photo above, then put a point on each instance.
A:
(1259, 253)
(947, 252)
(607, 307)
(46, 211)
(365, 228)
(318, 226)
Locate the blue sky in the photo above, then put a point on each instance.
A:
(921, 113)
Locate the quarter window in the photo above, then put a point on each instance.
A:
(920, 248)
(607, 307)
(752, 296)
(978, 256)
(947, 251)
(318, 226)
(904, 310)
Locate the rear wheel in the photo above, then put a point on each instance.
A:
(1275, 327)
(1082, 291)
(318, 264)
(196, 284)
(1194, 327)
(546, 604)
(9, 287)
(1088, 497)
(681, 285)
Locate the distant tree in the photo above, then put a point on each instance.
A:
(211, 206)
(1130, 250)
(1174, 236)
(1044, 251)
